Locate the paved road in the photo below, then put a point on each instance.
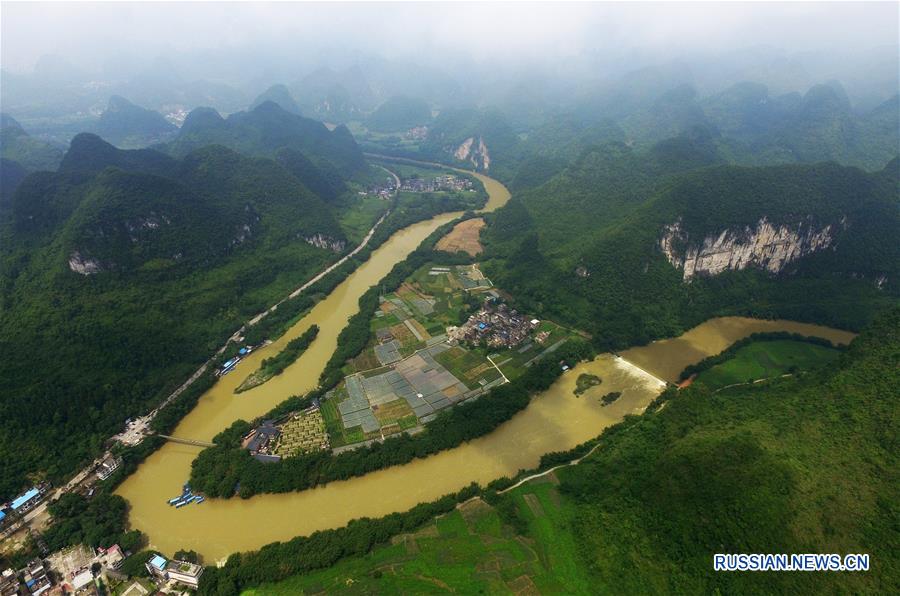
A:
(83, 474)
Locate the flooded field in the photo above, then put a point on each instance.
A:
(556, 420)
(553, 421)
(668, 357)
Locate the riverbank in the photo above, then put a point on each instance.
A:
(554, 421)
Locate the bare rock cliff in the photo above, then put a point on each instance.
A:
(475, 153)
(84, 266)
(764, 246)
(326, 242)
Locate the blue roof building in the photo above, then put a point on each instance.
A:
(158, 562)
(2, 515)
(21, 500)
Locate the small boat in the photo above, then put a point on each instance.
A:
(175, 500)
(198, 499)
(181, 504)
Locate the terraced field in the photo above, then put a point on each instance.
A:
(477, 549)
(303, 433)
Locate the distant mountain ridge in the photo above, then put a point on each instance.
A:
(30, 153)
(129, 126)
(120, 273)
(647, 244)
(265, 130)
(149, 205)
(280, 95)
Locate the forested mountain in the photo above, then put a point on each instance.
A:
(748, 478)
(625, 246)
(753, 468)
(818, 126)
(11, 175)
(325, 182)
(17, 145)
(335, 96)
(399, 113)
(266, 129)
(478, 139)
(120, 274)
(280, 95)
(90, 153)
(129, 126)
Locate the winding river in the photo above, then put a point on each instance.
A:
(554, 421)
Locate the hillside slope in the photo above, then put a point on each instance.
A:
(791, 466)
(648, 257)
(118, 281)
(264, 130)
(31, 153)
(127, 125)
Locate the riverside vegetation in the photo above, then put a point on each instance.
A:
(218, 470)
(745, 476)
(276, 364)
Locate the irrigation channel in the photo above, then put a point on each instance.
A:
(555, 420)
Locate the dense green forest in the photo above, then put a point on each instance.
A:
(585, 246)
(30, 153)
(264, 130)
(173, 266)
(729, 472)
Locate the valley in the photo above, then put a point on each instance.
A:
(554, 421)
(477, 299)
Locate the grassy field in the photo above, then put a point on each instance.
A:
(357, 219)
(469, 551)
(765, 359)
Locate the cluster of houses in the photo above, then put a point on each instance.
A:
(70, 571)
(446, 182)
(416, 133)
(495, 325)
(262, 441)
(181, 572)
(382, 190)
(15, 509)
(32, 579)
(76, 570)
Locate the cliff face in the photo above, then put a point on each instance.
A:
(475, 153)
(765, 246)
(82, 265)
(326, 242)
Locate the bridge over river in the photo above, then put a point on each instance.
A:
(188, 441)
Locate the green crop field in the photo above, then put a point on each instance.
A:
(469, 551)
(358, 218)
(765, 359)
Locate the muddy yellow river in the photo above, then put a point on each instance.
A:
(666, 358)
(556, 420)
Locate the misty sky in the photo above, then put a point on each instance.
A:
(92, 34)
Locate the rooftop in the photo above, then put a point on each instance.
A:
(21, 500)
(158, 562)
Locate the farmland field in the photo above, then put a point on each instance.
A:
(471, 550)
(764, 359)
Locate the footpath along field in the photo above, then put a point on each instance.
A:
(766, 359)
(473, 550)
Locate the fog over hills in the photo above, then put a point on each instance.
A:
(512, 297)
